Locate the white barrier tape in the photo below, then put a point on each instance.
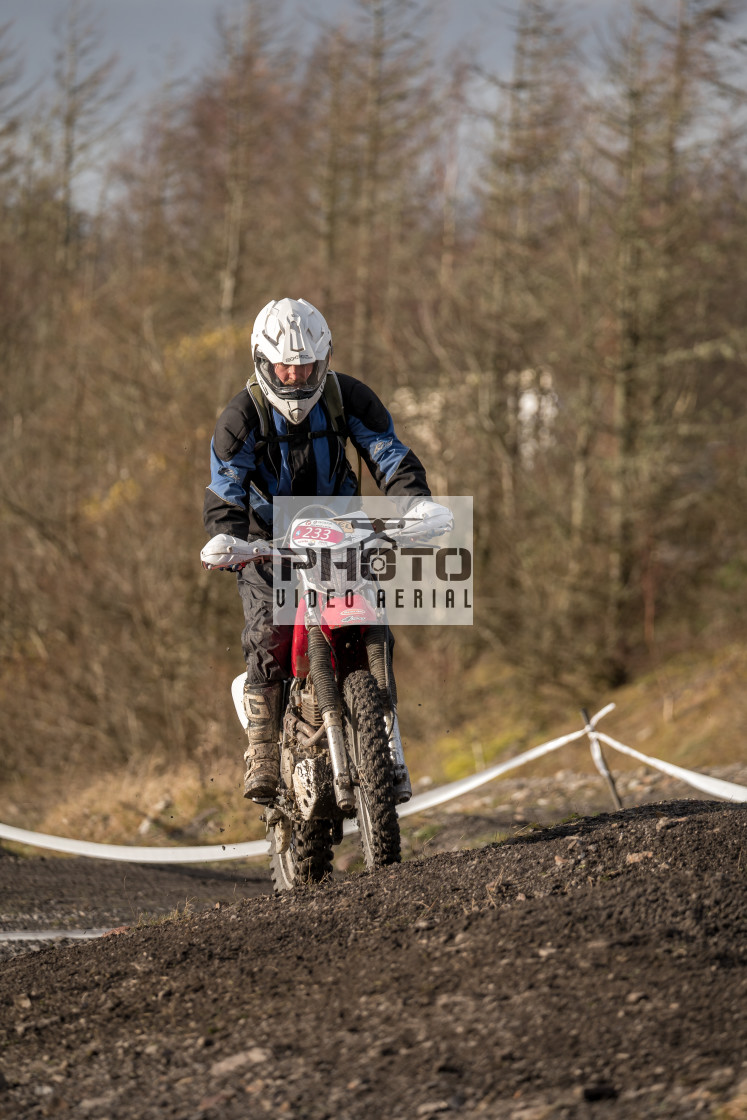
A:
(716, 787)
(466, 785)
(210, 853)
(51, 934)
(205, 853)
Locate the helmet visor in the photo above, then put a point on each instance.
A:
(297, 391)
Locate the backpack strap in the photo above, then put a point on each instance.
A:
(260, 400)
(333, 400)
(332, 396)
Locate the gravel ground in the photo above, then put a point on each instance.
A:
(597, 968)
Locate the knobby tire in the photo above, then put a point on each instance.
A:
(367, 742)
(308, 858)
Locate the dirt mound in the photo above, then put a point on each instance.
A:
(597, 968)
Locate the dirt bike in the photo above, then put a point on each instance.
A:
(341, 753)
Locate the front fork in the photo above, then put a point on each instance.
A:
(338, 756)
(328, 698)
(402, 784)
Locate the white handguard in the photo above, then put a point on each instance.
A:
(435, 520)
(230, 554)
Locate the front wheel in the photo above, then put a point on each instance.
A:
(367, 741)
(307, 859)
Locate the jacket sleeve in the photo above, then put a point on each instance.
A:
(232, 502)
(396, 469)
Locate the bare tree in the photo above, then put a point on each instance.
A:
(87, 89)
(11, 99)
(392, 73)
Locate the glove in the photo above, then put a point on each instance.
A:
(434, 520)
(231, 554)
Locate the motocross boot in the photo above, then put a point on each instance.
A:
(262, 755)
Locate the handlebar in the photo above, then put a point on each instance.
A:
(226, 553)
(231, 553)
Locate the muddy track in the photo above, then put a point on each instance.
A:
(592, 969)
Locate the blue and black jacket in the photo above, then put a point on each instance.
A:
(247, 471)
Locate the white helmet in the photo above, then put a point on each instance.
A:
(293, 332)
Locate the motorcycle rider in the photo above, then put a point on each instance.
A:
(284, 435)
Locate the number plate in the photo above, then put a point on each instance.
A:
(307, 534)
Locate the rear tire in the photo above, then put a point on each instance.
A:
(308, 858)
(368, 745)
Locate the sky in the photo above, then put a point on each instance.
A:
(155, 36)
(162, 40)
(158, 37)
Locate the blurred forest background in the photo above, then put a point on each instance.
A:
(544, 277)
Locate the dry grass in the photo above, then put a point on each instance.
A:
(157, 804)
(691, 711)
